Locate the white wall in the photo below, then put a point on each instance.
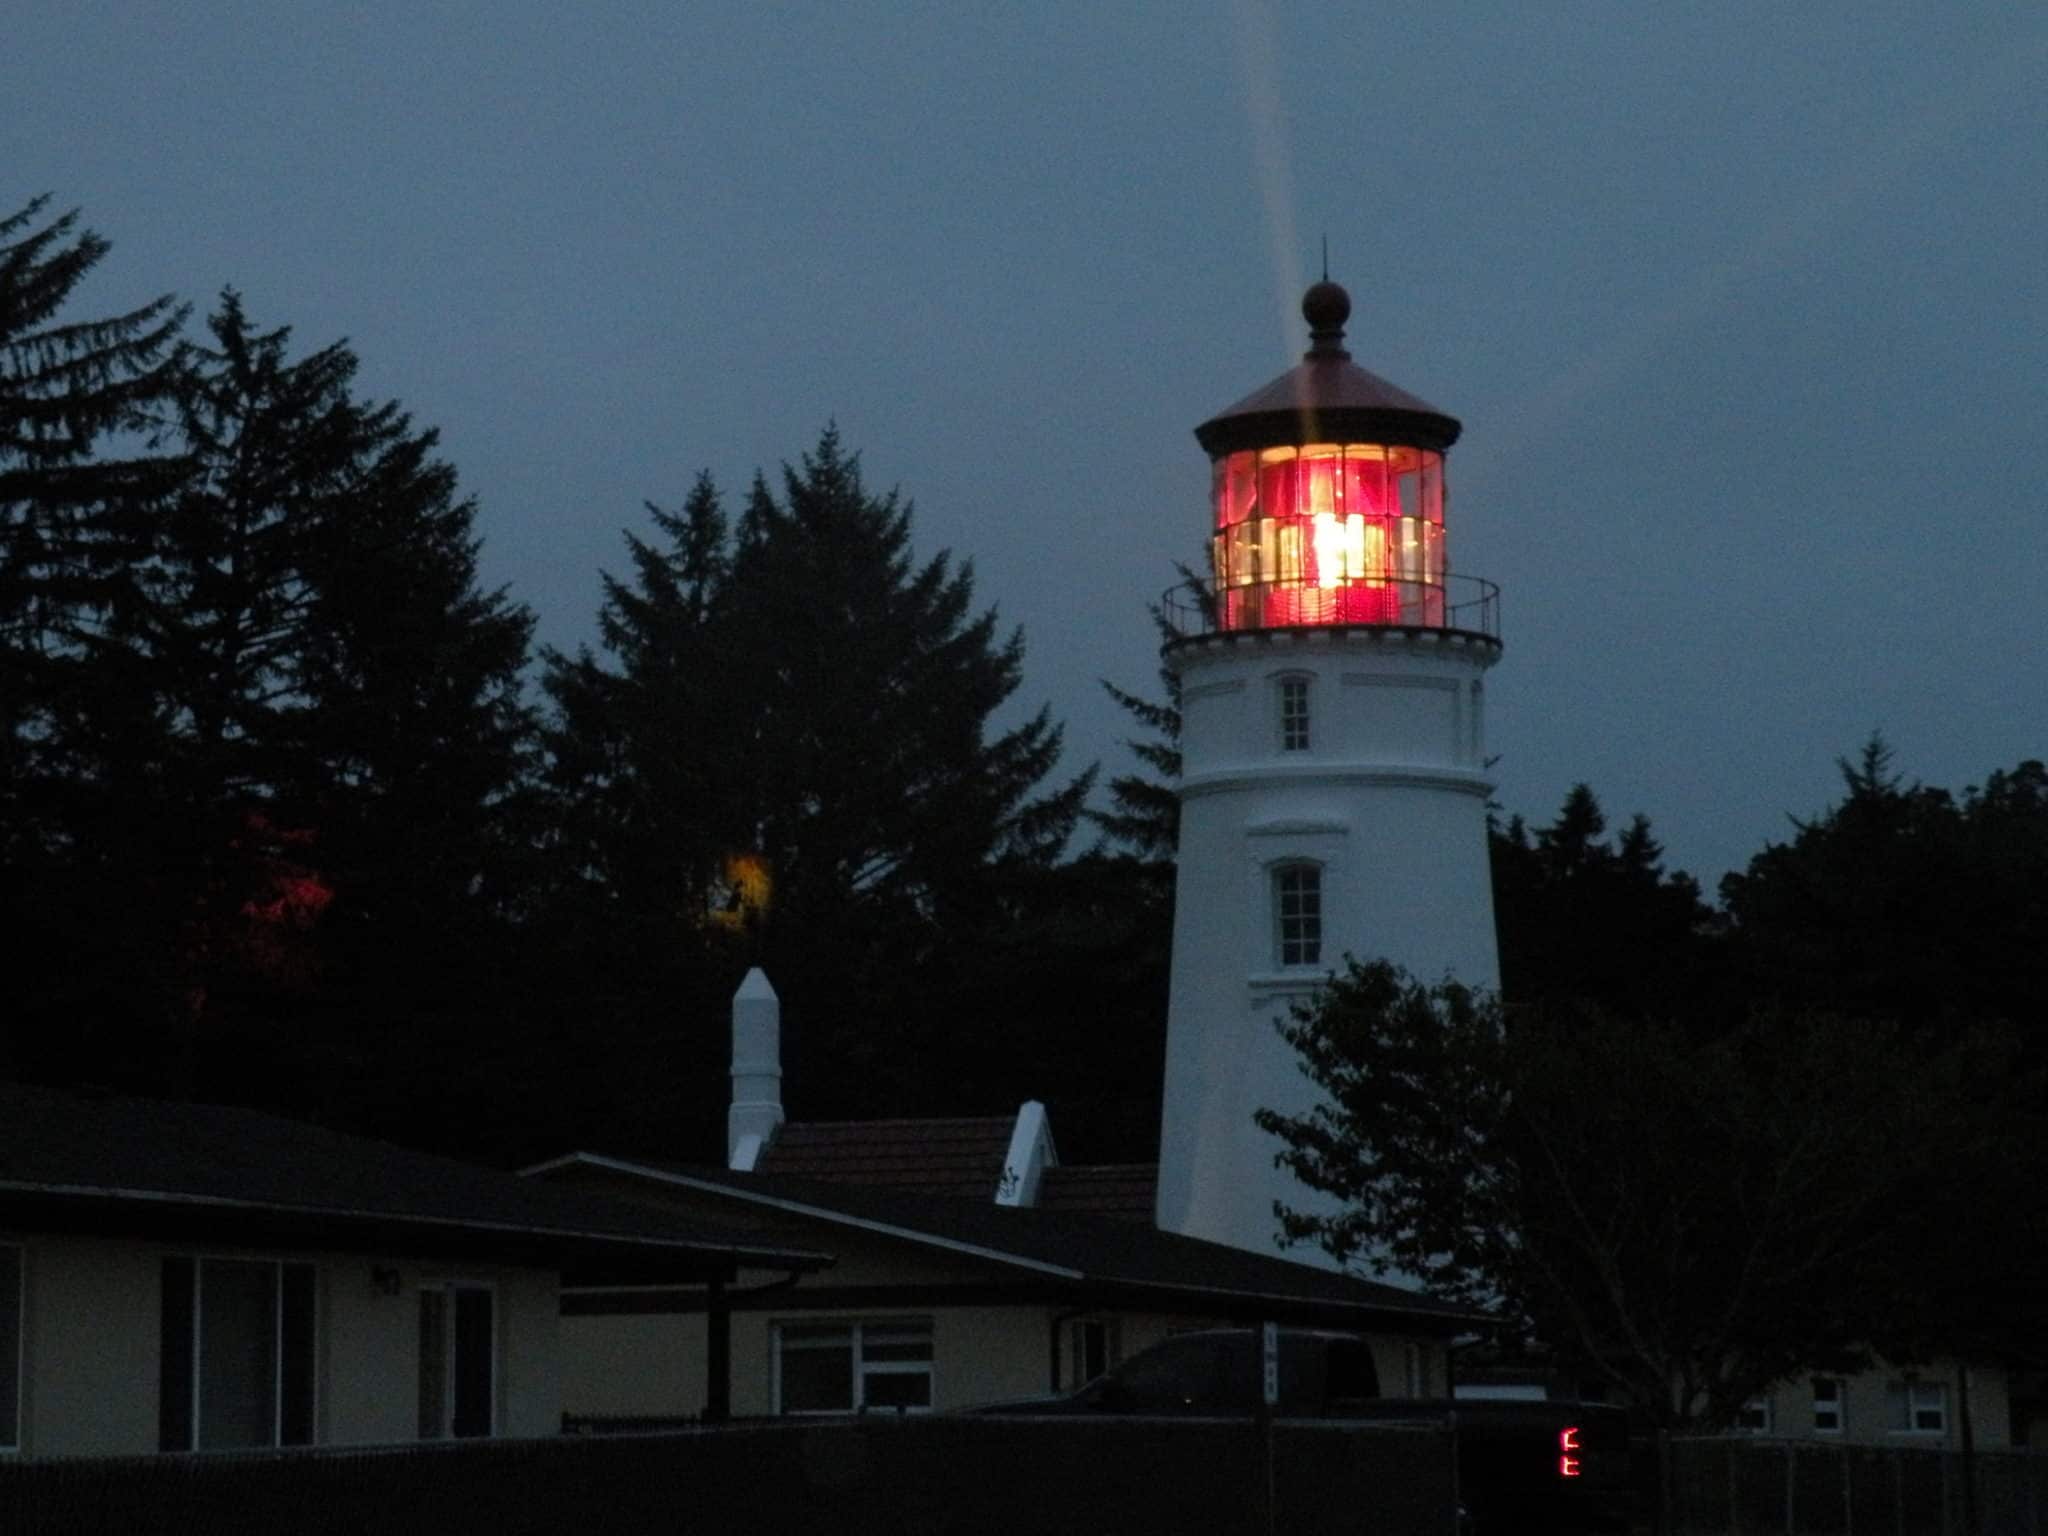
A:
(93, 1323)
(1390, 801)
(89, 1372)
(1866, 1409)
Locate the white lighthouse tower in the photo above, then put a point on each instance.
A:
(1333, 784)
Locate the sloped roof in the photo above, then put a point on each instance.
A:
(1129, 1191)
(1326, 397)
(962, 1157)
(193, 1172)
(1101, 1256)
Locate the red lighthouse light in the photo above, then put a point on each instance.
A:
(1328, 493)
(1327, 533)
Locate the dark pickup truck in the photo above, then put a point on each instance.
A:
(1522, 1465)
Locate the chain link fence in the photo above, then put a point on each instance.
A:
(1729, 1487)
(933, 1476)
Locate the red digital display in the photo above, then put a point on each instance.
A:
(1568, 1442)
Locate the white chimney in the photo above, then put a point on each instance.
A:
(756, 1072)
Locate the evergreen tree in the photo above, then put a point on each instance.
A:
(1585, 922)
(786, 756)
(1145, 814)
(1904, 901)
(309, 838)
(81, 400)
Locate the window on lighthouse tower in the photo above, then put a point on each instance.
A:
(1298, 915)
(1294, 714)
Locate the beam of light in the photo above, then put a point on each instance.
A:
(1259, 74)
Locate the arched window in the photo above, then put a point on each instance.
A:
(1297, 915)
(1294, 714)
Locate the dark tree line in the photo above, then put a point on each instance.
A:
(1691, 1152)
(290, 815)
(284, 824)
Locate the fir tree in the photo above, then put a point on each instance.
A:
(309, 833)
(786, 754)
(80, 401)
(1145, 811)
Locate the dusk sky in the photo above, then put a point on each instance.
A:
(1744, 308)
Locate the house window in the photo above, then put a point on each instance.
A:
(1754, 1417)
(1294, 714)
(880, 1367)
(458, 1362)
(1827, 1405)
(1298, 914)
(1093, 1345)
(1417, 1371)
(236, 1369)
(10, 1347)
(1917, 1407)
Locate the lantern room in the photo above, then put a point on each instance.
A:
(1328, 499)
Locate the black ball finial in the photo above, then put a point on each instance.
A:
(1326, 306)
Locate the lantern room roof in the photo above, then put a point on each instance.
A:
(1327, 398)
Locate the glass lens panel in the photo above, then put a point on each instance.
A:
(1319, 477)
(1276, 485)
(1243, 491)
(817, 1380)
(237, 1354)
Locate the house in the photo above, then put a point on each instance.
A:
(190, 1277)
(1922, 1406)
(1910, 1407)
(971, 1267)
(938, 1301)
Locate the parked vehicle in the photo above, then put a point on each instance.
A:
(1522, 1465)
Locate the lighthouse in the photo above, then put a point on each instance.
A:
(1333, 763)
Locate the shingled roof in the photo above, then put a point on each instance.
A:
(199, 1172)
(1129, 1191)
(1093, 1258)
(961, 1157)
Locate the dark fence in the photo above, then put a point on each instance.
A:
(917, 1477)
(1798, 1488)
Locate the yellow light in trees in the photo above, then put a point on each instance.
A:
(742, 891)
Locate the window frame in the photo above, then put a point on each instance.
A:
(855, 1330)
(1912, 1388)
(449, 1287)
(12, 1447)
(194, 1366)
(1109, 1331)
(1765, 1407)
(1307, 942)
(1835, 1405)
(1415, 1366)
(1294, 728)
